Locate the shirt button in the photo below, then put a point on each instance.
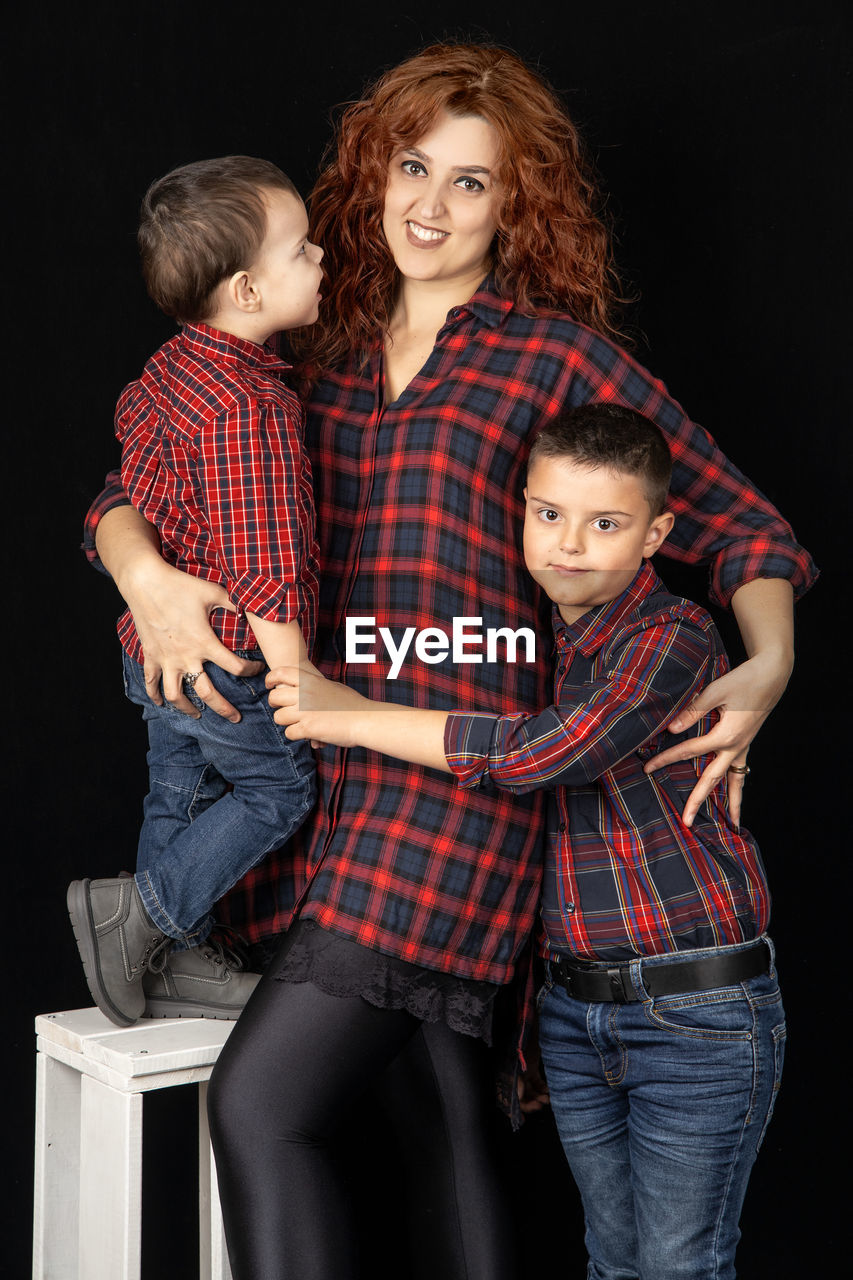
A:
(570, 908)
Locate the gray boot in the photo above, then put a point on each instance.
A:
(208, 981)
(116, 939)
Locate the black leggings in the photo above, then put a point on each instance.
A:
(299, 1065)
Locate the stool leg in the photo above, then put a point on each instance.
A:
(110, 1183)
(213, 1254)
(57, 1170)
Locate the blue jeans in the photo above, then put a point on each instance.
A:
(661, 1107)
(221, 796)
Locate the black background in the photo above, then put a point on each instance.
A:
(721, 132)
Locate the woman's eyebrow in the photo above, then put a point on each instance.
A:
(454, 168)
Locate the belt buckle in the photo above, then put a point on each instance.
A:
(620, 994)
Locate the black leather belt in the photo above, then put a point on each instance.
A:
(678, 978)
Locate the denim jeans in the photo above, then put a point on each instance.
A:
(661, 1107)
(221, 796)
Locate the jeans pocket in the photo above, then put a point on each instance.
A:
(779, 1035)
(722, 1014)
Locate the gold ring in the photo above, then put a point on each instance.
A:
(742, 769)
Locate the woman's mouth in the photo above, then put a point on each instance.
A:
(424, 237)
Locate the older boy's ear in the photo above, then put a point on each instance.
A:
(658, 531)
(243, 293)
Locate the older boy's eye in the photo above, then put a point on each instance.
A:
(548, 515)
(604, 526)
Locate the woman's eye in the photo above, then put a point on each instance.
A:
(413, 167)
(470, 184)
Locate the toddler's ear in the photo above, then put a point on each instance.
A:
(243, 292)
(658, 531)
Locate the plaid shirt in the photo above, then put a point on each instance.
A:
(623, 875)
(213, 456)
(419, 514)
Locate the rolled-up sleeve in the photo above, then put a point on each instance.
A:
(112, 495)
(249, 469)
(650, 676)
(721, 518)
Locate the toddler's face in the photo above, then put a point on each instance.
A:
(586, 531)
(287, 271)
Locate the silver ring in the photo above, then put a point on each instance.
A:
(190, 677)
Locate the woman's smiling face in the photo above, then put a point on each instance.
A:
(440, 202)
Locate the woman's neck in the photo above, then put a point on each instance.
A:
(422, 305)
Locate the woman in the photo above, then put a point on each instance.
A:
(469, 296)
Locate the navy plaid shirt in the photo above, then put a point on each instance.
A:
(623, 875)
(419, 508)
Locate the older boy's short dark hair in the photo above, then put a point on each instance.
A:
(201, 223)
(610, 435)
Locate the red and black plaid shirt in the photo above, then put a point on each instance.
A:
(419, 516)
(213, 456)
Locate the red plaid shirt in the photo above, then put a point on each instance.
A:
(623, 875)
(419, 514)
(213, 456)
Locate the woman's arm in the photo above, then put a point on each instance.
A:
(171, 611)
(764, 609)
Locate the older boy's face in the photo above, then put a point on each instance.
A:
(586, 531)
(287, 270)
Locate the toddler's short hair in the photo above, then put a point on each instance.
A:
(610, 435)
(201, 223)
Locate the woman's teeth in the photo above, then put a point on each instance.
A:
(425, 233)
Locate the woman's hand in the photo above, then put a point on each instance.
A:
(171, 611)
(313, 707)
(744, 698)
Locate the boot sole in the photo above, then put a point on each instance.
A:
(79, 909)
(186, 1009)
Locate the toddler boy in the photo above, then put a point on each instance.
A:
(660, 1020)
(212, 455)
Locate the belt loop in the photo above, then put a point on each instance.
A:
(768, 941)
(616, 978)
(636, 976)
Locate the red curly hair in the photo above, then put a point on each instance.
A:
(551, 248)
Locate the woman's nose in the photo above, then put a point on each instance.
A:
(431, 202)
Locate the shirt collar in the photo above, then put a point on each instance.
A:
(595, 628)
(486, 304)
(204, 341)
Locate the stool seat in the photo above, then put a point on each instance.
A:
(91, 1079)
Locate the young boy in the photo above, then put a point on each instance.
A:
(212, 455)
(661, 1025)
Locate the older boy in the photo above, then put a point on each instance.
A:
(213, 457)
(661, 1024)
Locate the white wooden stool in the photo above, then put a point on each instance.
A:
(91, 1076)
